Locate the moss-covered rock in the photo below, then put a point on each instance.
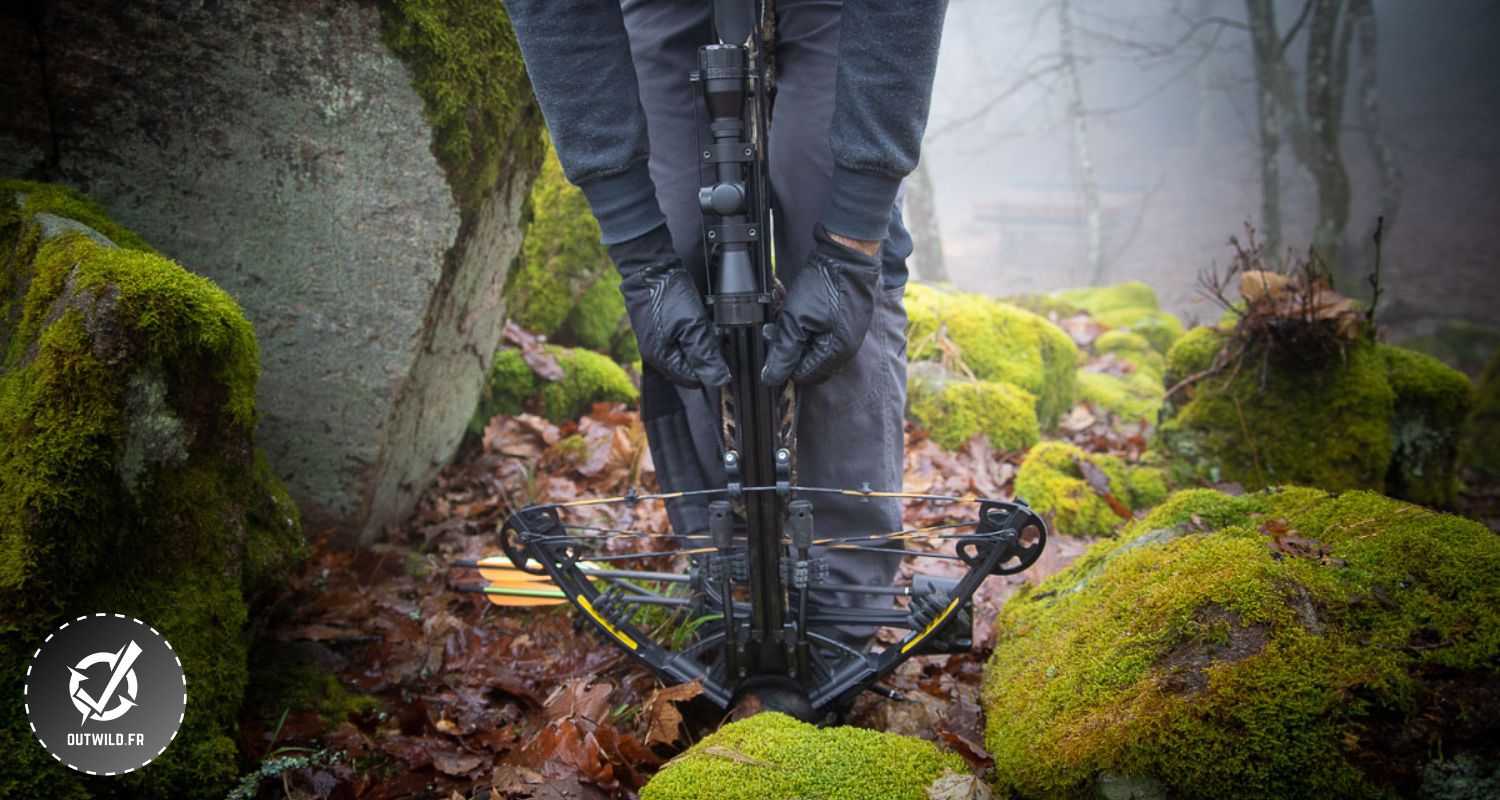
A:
(588, 378)
(598, 321)
(1054, 480)
(1377, 417)
(955, 410)
(1480, 448)
(1432, 400)
(352, 174)
(1286, 643)
(467, 66)
(564, 286)
(561, 256)
(998, 342)
(130, 483)
(1099, 299)
(1158, 327)
(774, 757)
(1134, 397)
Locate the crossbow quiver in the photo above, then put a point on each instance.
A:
(732, 606)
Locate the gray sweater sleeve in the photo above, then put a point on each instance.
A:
(887, 59)
(578, 57)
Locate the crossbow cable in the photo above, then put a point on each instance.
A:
(738, 602)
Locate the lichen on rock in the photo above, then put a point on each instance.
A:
(1274, 642)
(953, 410)
(1075, 488)
(772, 756)
(998, 342)
(130, 481)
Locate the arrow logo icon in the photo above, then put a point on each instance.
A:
(121, 666)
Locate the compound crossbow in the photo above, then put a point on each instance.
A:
(749, 606)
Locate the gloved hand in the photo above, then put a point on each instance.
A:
(671, 325)
(826, 316)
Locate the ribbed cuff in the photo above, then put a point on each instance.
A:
(860, 204)
(625, 204)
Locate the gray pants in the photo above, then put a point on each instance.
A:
(850, 428)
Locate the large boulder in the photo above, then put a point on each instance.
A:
(996, 342)
(353, 173)
(1286, 643)
(771, 756)
(128, 478)
(1371, 417)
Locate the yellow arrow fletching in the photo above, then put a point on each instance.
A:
(511, 601)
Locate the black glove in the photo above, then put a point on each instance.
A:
(671, 325)
(826, 315)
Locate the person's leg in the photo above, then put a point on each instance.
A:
(680, 425)
(850, 430)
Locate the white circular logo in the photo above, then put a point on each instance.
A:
(105, 694)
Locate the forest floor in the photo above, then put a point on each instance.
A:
(440, 694)
(470, 698)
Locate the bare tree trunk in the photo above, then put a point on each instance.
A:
(922, 223)
(1362, 18)
(1083, 155)
(1327, 75)
(1266, 49)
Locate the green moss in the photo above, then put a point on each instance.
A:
(467, 68)
(1378, 418)
(129, 479)
(1432, 400)
(597, 321)
(1121, 342)
(1327, 426)
(1129, 398)
(1480, 448)
(588, 378)
(954, 411)
(1158, 327)
(561, 258)
(507, 387)
(1052, 481)
(999, 342)
(49, 198)
(1099, 299)
(1193, 353)
(1183, 651)
(1046, 305)
(774, 757)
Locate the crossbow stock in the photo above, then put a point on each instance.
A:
(749, 600)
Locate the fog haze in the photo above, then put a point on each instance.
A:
(1175, 148)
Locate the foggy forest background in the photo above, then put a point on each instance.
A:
(1157, 110)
